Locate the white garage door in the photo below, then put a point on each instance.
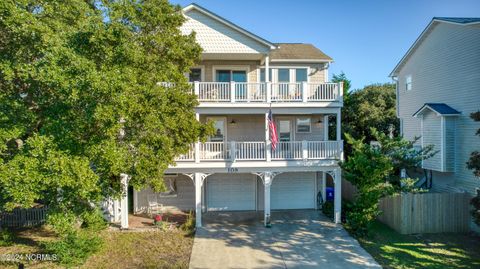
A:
(293, 191)
(229, 192)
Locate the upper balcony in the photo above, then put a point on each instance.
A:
(263, 94)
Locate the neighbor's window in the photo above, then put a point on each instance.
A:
(408, 83)
(283, 75)
(303, 125)
(262, 74)
(195, 74)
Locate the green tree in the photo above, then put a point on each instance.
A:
(346, 103)
(374, 170)
(80, 101)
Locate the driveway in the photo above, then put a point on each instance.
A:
(297, 239)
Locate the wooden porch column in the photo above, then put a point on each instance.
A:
(338, 196)
(197, 144)
(324, 186)
(268, 144)
(339, 125)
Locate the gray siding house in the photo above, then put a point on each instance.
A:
(438, 86)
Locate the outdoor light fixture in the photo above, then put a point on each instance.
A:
(319, 122)
(233, 122)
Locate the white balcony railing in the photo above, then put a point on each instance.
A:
(257, 150)
(232, 92)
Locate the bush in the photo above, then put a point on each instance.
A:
(6, 238)
(74, 248)
(93, 220)
(189, 225)
(327, 209)
(475, 202)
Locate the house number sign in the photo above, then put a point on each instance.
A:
(232, 170)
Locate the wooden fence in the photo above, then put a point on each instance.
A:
(23, 217)
(410, 213)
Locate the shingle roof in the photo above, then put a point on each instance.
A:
(440, 108)
(457, 20)
(298, 51)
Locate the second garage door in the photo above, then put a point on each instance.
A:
(230, 192)
(293, 191)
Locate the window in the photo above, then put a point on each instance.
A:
(219, 127)
(303, 125)
(262, 74)
(408, 83)
(195, 75)
(283, 75)
(284, 130)
(231, 75)
(301, 74)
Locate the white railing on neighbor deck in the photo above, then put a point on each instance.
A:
(257, 150)
(238, 92)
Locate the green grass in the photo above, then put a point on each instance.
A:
(393, 250)
(149, 249)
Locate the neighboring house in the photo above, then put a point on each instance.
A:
(240, 78)
(438, 86)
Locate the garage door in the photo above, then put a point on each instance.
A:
(293, 191)
(229, 192)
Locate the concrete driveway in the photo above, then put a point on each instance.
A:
(297, 239)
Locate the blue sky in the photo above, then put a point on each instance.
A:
(366, 38)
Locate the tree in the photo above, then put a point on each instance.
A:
(373, 170)
(73, 76)
(474, 164)
(372, 106)
(346, 103)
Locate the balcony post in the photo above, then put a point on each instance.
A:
(267, 182)
(232, 91)
(197, 144)
(268, 90)
(233, 150)
(304, 92)
(304, 150)
(340, 91)
(196, 88)
(268, 145)
(339, 125)
(325, 127)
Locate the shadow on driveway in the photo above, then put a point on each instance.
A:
(297, 239)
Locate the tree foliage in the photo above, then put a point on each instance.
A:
(474, 164)
(80, 101)
(373, 170)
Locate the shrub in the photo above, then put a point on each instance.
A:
(189, 225)
(475, 202)
(6, 238)
(93, 220)
(327, 209)
(74, 247)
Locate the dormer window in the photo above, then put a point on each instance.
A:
(408, 83)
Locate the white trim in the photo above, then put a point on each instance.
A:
(229, 24)
(245, 68)
(421, 137)
(442, 143)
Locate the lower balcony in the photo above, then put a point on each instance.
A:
(245, 151)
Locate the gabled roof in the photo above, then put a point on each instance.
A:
(228, 23)
(426, 31)
(440, 108)
(298, 52)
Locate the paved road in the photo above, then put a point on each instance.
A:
(297, 239)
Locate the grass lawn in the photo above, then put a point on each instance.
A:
(149, 249)
(393, 250)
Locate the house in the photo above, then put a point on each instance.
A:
(438, 87)
(240, 78)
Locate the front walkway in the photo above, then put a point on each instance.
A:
(297, 239)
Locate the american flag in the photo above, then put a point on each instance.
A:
(273, 130)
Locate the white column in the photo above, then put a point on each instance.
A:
(124, 201)
(197, 144)
(339, 125)
(338, 196)
(268, 85)
(267, 182)
(135, 201)
(198, 199)
(267, 68)
(324, 186)
(325, 127)
(268, 144)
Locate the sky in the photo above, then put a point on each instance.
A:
(366, 39)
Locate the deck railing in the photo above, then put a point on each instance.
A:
(232, 92)
(258, 150)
